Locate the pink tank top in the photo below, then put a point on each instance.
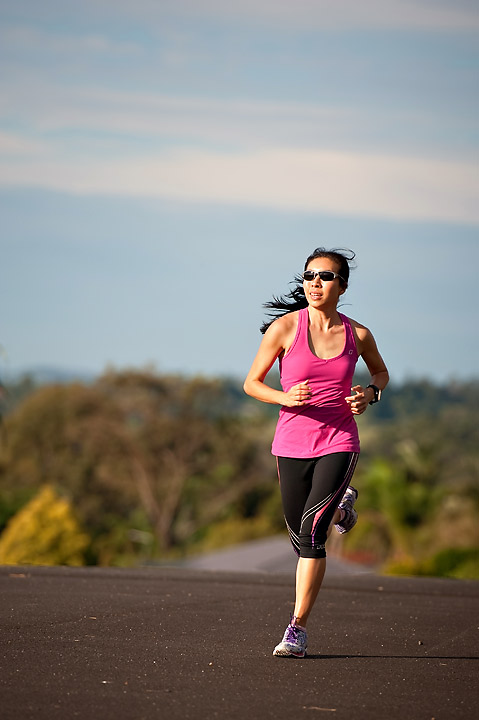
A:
(325, 424)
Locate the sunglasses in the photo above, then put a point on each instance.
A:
(324, 275)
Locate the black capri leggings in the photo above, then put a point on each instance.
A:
(311, 490)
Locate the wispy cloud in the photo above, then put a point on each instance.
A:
(384, 155)
(50, 110)
(12, 144)
(312, 181)
(238, 123)
(442, 15)
(66, 43)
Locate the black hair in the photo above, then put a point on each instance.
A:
(295, 299)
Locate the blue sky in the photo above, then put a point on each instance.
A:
(166, 166)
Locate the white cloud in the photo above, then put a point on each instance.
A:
(15, 144)
(130, 117)
(372, 159)
(442, 15)
(462, 15)
(238, 122)
(67, 43)
(300, 180)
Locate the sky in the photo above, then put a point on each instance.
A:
(166, 166)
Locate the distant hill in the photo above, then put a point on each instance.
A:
(18, 385)
(415, 397)
(49, 375)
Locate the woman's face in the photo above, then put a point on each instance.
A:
(323, 293)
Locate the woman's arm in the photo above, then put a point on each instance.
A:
(274, 342)
(368, 350)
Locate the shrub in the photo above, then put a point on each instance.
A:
(44, 532)
(461, 563)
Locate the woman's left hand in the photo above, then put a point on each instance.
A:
(359, 402)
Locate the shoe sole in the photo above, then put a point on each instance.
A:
(286, 653)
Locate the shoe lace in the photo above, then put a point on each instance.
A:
(292, 634)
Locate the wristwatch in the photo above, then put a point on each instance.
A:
(377, 394)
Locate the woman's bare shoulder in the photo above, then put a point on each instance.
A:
(283, 329)
(285, 323)
(289, 320)
(361, 330)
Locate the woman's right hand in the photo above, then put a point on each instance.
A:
(298, 394)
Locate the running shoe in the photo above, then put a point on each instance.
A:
(347, 504)
(293, 644)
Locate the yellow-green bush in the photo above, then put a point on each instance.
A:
(44, 532)
(461, 563)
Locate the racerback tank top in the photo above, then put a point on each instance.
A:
(325, 424)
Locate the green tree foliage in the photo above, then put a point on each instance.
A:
(138, 453)
(419, 481)
(44, 532)
(157, 464)
(71, 437)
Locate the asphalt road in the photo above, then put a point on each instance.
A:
(184, 643)
(270, 555)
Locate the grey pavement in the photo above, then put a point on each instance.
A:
(165, 642)
(268, 555)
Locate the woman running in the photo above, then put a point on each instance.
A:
(316, 442)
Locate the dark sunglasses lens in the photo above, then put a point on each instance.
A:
(324, 275)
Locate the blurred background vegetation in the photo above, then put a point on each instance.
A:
(137, 467)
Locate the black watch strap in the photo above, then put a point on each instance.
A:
(377, 394)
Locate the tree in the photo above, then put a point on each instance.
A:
(136, 442)
(44, 532)
(188, 461)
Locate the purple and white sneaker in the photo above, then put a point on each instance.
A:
(294, 642)
(350, 515)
